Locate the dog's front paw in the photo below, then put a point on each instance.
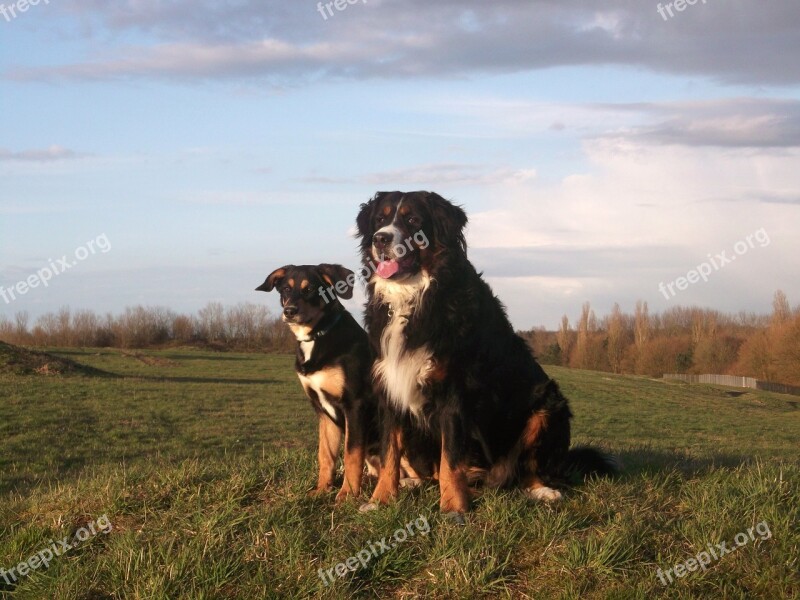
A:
(320, 491)
(410, 482)
(343, 495)
(544, 494)
(368, 506)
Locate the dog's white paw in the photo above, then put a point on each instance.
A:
(368, 506)
(544, 494)
(410, 482)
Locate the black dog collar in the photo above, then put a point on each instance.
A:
(325, 330)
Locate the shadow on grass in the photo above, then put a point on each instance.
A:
(215, 357)
(646, 460)
(204, 380)
(250, 354)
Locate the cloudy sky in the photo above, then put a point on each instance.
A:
(600, 149)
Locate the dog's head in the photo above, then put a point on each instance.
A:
(406, 233)
(308, 292)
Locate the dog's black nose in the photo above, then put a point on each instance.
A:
(290, 311)
(381, 239)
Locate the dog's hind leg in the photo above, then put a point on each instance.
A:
(532, 442)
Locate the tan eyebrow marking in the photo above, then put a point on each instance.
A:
(291, 282)
(304, 284)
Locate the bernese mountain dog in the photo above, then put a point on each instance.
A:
(458, 389)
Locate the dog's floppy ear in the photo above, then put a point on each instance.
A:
(364, 218)
(449, 221)
(334, 274)
(274, 279)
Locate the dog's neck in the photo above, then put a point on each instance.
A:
(404, 296)
(308, 336)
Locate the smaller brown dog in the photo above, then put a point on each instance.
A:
(334, 363)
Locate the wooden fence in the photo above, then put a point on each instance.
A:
(736, 381)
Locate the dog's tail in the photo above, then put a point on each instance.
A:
(584, 461)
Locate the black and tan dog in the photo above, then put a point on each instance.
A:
(333, 363)
(456, 383)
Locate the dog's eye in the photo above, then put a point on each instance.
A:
(414, 221)
(380, 219)
(286, 289)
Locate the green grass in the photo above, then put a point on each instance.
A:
(201, 461)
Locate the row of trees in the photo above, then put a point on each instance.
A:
(679, 340)
(244, 326)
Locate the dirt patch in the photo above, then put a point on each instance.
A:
(21, 361)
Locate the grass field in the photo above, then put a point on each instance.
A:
(201, 462)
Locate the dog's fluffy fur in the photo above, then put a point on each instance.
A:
(460, 393)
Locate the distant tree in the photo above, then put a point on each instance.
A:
(660, 355)
(787, 353)
(756, 357)
(616, 339)
(564, 338)
(716, 354)
(551, 355)
(641, 324)
(21, 334)
(781, 313)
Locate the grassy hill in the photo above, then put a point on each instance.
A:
(201, 462)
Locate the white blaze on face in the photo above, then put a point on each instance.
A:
(393, 230)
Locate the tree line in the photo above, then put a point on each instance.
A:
(678, 340)
(246, 326)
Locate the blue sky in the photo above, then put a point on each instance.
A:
(599, 150)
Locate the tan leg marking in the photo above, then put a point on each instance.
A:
(454, 493)
(353, 468)
(389, 479)
(534, 487)
(330, 436)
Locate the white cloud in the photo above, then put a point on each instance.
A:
(450, 175)
(50, 154)
(736, 41)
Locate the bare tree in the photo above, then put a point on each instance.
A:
(641, 324)
(616, 339)
(781, 312)
(564, 339)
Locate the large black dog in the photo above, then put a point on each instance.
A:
(333, 363)
(458, 388)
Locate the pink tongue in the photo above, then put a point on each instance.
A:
(387, 268)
